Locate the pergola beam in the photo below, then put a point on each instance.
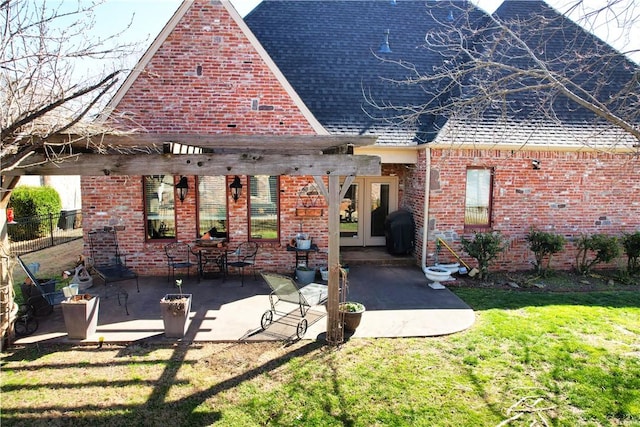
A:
(248, 163)
(222, 142)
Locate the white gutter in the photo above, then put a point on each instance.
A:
(425, 227)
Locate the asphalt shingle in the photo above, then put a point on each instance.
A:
(329, 52)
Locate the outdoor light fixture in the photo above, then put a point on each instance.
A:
(236, 188)
(183, 187)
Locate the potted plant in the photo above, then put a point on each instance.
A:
(80, 314)
(352, 314)
(305, 274)
(175, 310)
(324, 273)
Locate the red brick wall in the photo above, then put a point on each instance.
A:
(573, 193)
(107, 200)
(169, 96)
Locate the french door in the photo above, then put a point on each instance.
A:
(364, 209)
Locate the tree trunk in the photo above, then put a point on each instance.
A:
(8, 307)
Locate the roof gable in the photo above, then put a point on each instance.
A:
(205, 73)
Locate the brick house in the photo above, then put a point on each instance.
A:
(571, 176)
(284, 71)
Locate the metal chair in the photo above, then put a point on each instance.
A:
(109, 264)
(178, 257)
(243, 256)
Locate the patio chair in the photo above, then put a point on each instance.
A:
(109, 263)
(284, 289)
(39, 294)
(178, 257)
(243, 256)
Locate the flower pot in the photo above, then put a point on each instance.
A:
(175, 310)
(80, 314)
(351, 317)
(304, 244)
(304, 277)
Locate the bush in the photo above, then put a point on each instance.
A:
(544, 244)
(631, 245)
(484, 247)
(30, 205)
(606, 249)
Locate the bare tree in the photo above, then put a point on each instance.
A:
(43, 48)
(526, 63)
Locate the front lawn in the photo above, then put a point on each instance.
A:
(532, 358)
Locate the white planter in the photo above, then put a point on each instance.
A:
(304, 244)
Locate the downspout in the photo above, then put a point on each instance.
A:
(425, 227)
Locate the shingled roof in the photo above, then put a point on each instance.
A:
(329, 52)
(579, 60)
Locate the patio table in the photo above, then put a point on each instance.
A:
(214, 253)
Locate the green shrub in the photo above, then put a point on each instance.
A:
(484, 248)
(28, 202)
(631, 245)
(604, 247)
(544, 244)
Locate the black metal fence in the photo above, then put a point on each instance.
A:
(34, 233)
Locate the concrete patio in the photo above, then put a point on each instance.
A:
(398, 304)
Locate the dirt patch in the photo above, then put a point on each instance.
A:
(556, 281)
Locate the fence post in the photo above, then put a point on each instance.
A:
(51, 228)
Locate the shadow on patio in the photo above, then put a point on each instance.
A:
(399, 304)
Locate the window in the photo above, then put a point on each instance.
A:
(478, 198)
(263, 207)
(212, 205)
(159, 210)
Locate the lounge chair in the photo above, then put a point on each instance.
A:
(40, 294)
(284, 289)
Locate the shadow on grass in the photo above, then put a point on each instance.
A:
(159, 404)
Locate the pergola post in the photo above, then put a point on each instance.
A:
(334, 328)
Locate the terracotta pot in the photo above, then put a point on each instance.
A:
(309, 212)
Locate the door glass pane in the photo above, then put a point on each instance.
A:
(212, 205)
(379, 208)
(349, 213)
(159, 207)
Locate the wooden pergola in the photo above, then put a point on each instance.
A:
(152, 154)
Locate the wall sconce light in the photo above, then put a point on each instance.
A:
(183, 188)
(535, 163)
(236, 188)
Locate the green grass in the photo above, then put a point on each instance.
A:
(565, 359)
